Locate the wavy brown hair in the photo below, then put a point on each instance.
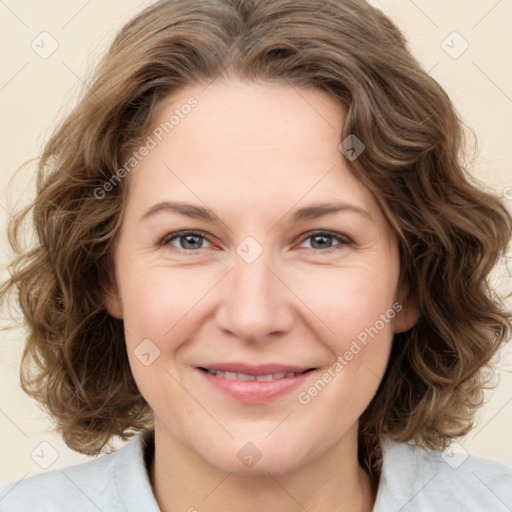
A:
(451, 232)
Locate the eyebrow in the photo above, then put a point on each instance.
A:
(312, 211)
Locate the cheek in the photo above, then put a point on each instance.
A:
(350, 301)
(155, 312)
(156, 301)
(357, 312)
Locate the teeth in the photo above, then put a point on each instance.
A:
(266, 377)
(246, 376)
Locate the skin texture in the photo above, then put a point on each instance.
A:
(253, 153)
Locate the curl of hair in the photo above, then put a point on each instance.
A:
(451, 232)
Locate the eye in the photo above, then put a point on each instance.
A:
(193, 240)
(187, 240)
(321, 240)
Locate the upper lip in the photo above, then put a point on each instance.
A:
(255, 369)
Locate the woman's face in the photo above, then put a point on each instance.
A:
(265, 274)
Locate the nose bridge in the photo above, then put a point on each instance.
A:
(255, 302)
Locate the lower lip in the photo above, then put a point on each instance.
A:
(255, 391)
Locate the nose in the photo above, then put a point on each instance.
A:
(256, 301)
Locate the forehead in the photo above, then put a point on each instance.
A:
(231, 115)
(261, 146)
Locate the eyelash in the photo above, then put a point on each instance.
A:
(343, 240)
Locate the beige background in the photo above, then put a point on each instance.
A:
(36, 88)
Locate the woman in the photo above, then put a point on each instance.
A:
(259, 252)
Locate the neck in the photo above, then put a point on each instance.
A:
(181, 480)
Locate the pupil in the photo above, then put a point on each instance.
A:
(192, 237)
(321, 237)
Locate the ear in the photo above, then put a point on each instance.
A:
(112, 299)
(112, 303)
(408, 315)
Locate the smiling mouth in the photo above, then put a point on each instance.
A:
(247, 376)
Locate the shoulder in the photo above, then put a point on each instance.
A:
(99, 484)
(87, 486)
(419, 479)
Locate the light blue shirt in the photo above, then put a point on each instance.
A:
(413, 479)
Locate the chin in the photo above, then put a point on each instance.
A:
(244, 457)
